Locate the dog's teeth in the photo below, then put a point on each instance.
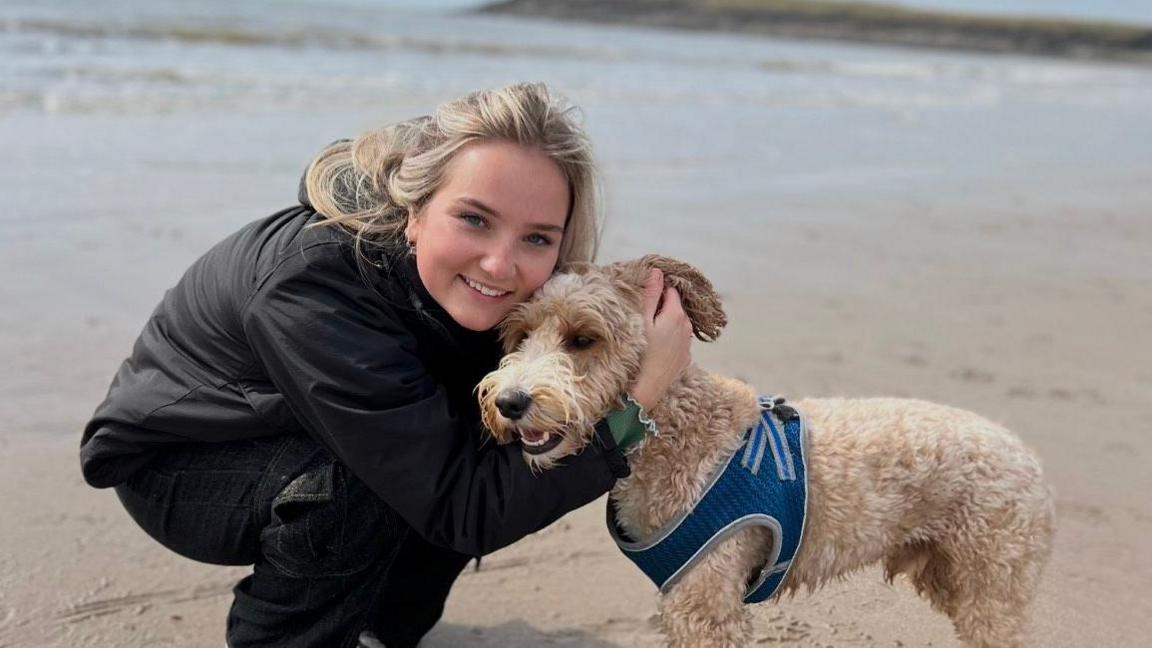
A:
(541, 441)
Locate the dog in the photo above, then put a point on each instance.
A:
(954, 502)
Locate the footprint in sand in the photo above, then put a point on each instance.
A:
(1021, 392)
(1089, 512)
(914, 360)
(140, 602)
(973, 375)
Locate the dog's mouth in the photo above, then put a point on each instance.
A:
(537, 443)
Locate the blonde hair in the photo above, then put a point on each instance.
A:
(375, 183)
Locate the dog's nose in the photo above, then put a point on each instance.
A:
(513, 404)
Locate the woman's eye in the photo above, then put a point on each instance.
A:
(581, 342)
(538, 239)
(473, 219)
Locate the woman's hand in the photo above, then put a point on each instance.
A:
(669, 335)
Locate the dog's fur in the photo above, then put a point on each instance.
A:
(952, 501)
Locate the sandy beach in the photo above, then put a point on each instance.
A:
(958, 228)
(1056, 355)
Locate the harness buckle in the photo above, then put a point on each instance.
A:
(776, 405)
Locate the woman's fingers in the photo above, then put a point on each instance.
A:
(653, 291)
(672, 315)
(673, 308)
(669, 351)
(680, 325)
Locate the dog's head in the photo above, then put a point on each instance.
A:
(576, 347)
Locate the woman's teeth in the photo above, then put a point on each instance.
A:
(485, 290)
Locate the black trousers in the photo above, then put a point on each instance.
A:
(330, 558)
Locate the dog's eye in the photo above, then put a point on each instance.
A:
(581, 342)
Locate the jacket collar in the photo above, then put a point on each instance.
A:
(421, 301)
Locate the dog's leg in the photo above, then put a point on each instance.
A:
(976, 593)
(993, 592)
(706, 608)
(985, 580)
(928, 569)
(705, 612)
(987, 608)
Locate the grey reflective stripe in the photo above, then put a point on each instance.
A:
(803, 520)
(667, 529)
(725, 532)
(770, 567)
(754, 447)
(785, 469)
(781, 469)
(750, 454)
(762, 440)
(767, 572)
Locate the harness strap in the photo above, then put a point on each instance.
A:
(738, 495)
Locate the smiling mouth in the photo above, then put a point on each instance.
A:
(483, 289)
(546, 441)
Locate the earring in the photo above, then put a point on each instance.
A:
(408, 231)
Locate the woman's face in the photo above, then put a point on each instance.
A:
(490, 235)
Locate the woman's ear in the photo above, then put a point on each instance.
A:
(412, 227)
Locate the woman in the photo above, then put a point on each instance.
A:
(302, 399)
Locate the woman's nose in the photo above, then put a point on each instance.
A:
(499, 262)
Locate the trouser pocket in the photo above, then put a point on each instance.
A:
(326, 523)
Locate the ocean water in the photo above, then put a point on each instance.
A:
(712, 102)
(120, 57)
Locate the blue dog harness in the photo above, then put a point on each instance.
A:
(750, 489)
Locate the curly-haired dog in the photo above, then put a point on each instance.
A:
(956, 503)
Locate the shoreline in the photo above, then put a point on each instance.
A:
(858, 23)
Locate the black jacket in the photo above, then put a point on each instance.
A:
(281, 328)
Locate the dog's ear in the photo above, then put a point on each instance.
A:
(701, 303)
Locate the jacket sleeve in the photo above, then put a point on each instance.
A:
(350, 372)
